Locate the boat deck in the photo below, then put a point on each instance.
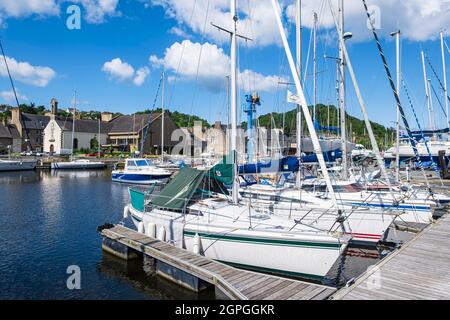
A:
(234, 283)
(418, 270)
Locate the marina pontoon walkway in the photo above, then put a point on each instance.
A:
(234, 283)
(418, 270)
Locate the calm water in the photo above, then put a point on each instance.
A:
(48, 221)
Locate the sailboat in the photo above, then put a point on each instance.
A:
(144, 171)
(191, 213)
(78, 164)
(232, 233)
(17, 165)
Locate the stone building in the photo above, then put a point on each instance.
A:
(127, 133)
(10, 139)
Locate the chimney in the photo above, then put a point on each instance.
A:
(106, 116)
(54, 104)
(15, 115)
(16, 119)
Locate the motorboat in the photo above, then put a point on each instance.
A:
(139, 171)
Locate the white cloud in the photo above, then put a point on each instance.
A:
(418, 20)
(182, 59)
(179, 32)
(118, 70)
(96, 11)
(25, 72)
(141, 75)
(9, 96)
(121, 71)
(256, 19)
(23, 8)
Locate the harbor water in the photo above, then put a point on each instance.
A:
(49, 222)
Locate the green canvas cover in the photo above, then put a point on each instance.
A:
(223, 171)
(179, 190)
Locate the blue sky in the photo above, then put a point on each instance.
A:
(121, 41)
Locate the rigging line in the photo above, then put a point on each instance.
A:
(181, 57)
(198, 63)
(15, 93)
(251, 80)
(435, 74)
(418, 123)
(144, 135)
(395, 92)
(305, 72)
(438, 100)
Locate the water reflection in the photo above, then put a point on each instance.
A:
(143, 277)
(350, 265)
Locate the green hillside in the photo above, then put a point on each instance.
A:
(181, 119)
(358, 127)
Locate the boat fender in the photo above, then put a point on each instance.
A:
(141, 227)
(125, 212)
(151, 230)
(197, 247)
(162, 234)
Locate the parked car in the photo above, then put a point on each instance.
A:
(95, 154)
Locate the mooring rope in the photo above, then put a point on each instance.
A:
(397, 98)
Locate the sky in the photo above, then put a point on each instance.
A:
(115, 59)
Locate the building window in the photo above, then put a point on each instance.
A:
(75, 143)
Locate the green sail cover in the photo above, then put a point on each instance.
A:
(223, 171)
(179, 190)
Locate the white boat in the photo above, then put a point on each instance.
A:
(234, 234)
(363, 225)
(411, 209)
(80, 164)
(406, 152)
(17, 165)
(140, 171)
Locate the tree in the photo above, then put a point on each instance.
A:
(94, 143)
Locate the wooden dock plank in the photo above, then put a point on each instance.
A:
(236, 283)
(418, 270)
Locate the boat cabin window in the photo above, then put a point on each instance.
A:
(195, 212)
(141, 163)
(131, 163)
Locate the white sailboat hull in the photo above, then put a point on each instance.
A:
(77, 165)
(14, 165)
(364, 225)
(274, 252)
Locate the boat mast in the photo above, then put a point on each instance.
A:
(233, 96)
(433, 121)
(362, 105)
(73, 120)
(298, 51)
(444, 70)
(427, 91)
(342, 117)
(98, 140)
(162, 118)
(397, 148)
(301, 96)
(315, 67)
